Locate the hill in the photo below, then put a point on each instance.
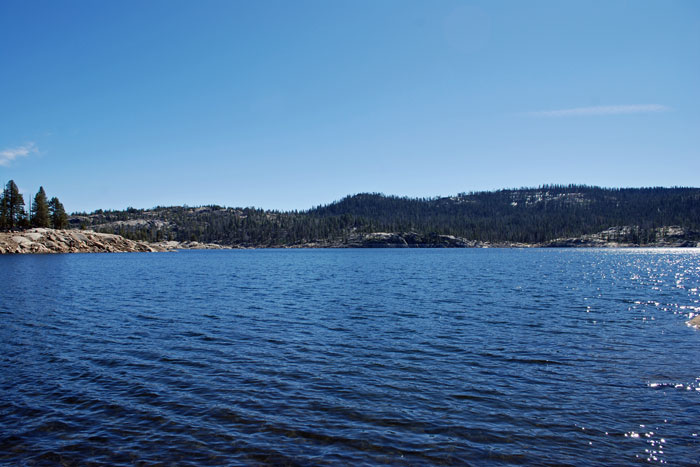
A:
(548, 215)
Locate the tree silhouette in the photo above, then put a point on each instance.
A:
(40, 210)
(12, 212)
(59, 218)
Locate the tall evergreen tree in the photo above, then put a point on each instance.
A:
(59, 218)
(13, 213)
(4, 210)
(40, 210)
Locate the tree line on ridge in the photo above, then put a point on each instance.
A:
(525, 215)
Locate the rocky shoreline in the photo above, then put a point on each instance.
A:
(670, 237)
(69, 241)
(42, 240)
(86, 241)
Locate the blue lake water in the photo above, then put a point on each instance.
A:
(299, 357)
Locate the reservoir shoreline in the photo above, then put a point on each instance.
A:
(46, 241)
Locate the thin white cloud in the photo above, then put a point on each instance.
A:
(602, 110)
(10, 154)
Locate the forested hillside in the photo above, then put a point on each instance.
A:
(528, 215)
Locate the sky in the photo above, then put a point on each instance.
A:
(293, 104)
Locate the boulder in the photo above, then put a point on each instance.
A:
(69, 241)
(694, 322)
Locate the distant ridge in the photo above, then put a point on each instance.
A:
(542, 216)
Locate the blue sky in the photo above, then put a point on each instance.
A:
(291, 104)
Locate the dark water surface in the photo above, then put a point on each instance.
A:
(411, 357)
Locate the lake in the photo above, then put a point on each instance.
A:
(306, 357)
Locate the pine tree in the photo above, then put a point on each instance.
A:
(4, 210)
(13, 213)
(40, 210)
(59, 218)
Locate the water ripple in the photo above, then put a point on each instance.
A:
(419, 357)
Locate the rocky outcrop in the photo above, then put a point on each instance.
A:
(69, 241)
(614, 237)
(695, 322)
(174, 245)
(611, 238)
(409, 240)
(74, 241)
(394, 240)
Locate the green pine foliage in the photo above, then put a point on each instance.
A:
(12, 212)
(4, 210)
(40, 210)
(527, 215)
(59, 218)
(13, 215)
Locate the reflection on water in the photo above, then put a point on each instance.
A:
(351, 356)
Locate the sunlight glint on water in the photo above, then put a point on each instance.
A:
(348, 356)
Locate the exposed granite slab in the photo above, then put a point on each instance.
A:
(69, 241)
